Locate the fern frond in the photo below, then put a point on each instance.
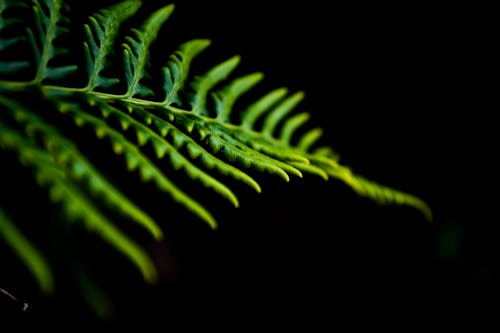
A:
(136, 52)
(291, 125)
(50, 24)
(225, 98)
(255, 110)
(52, 163)
(385, 195)
(162, 148)
(203, 84)
(381, 194)
(177, 69)
(78, 167)
(76, 205)
(236, 152)
(101, 30)
(195, 150)
(27, 253)
(280, 112)
(195, 130)
(311, 169)
(136, 160)
(308, 139)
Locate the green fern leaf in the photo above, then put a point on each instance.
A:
(203, 84)
(258, 108)
(307, 141)
(31, 257)
(225, 99)
(51, 163)
(136, 52)
(100, 31)
(162, 147)
(279, 112)
(136, 160)
(195, 150)
(177, 69)
(291, 125)
(12, 67)
(75, 204)
(78, 167)
(195, 130)
(49, 25)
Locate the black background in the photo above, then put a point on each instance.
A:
(400, 91)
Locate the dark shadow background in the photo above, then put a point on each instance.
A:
(401, 94)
